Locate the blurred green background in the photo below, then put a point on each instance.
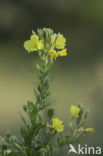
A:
(78, 78)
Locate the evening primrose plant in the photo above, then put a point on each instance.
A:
(44, 134)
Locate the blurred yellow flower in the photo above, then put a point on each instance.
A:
(29, 46)
(57, 125)
(63, 52)
(33, 44)
(60, 42)
(74, 110)
(53, 53)
(89, 130)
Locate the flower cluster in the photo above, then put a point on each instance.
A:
(58, 48)
(75, 114)
(57, 43)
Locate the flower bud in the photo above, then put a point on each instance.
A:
(89, 130)
(74, 110)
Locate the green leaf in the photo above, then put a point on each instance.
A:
(23, 133)
(24, 121)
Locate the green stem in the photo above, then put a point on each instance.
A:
(43, 86)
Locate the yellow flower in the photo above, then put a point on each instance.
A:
(30, 46)
(53, 53)
(89, 130)
(38, 43)
(63, 52)
(74, 110)
(33, 44)
(57, 125)
(61, 41)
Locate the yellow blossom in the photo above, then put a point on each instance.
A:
(33, 44)
(30, 46)
(53, 53)
(89, 130)
(60, 42)
(57, 125)
(63, 52)
(74, 110)
(38, 43)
